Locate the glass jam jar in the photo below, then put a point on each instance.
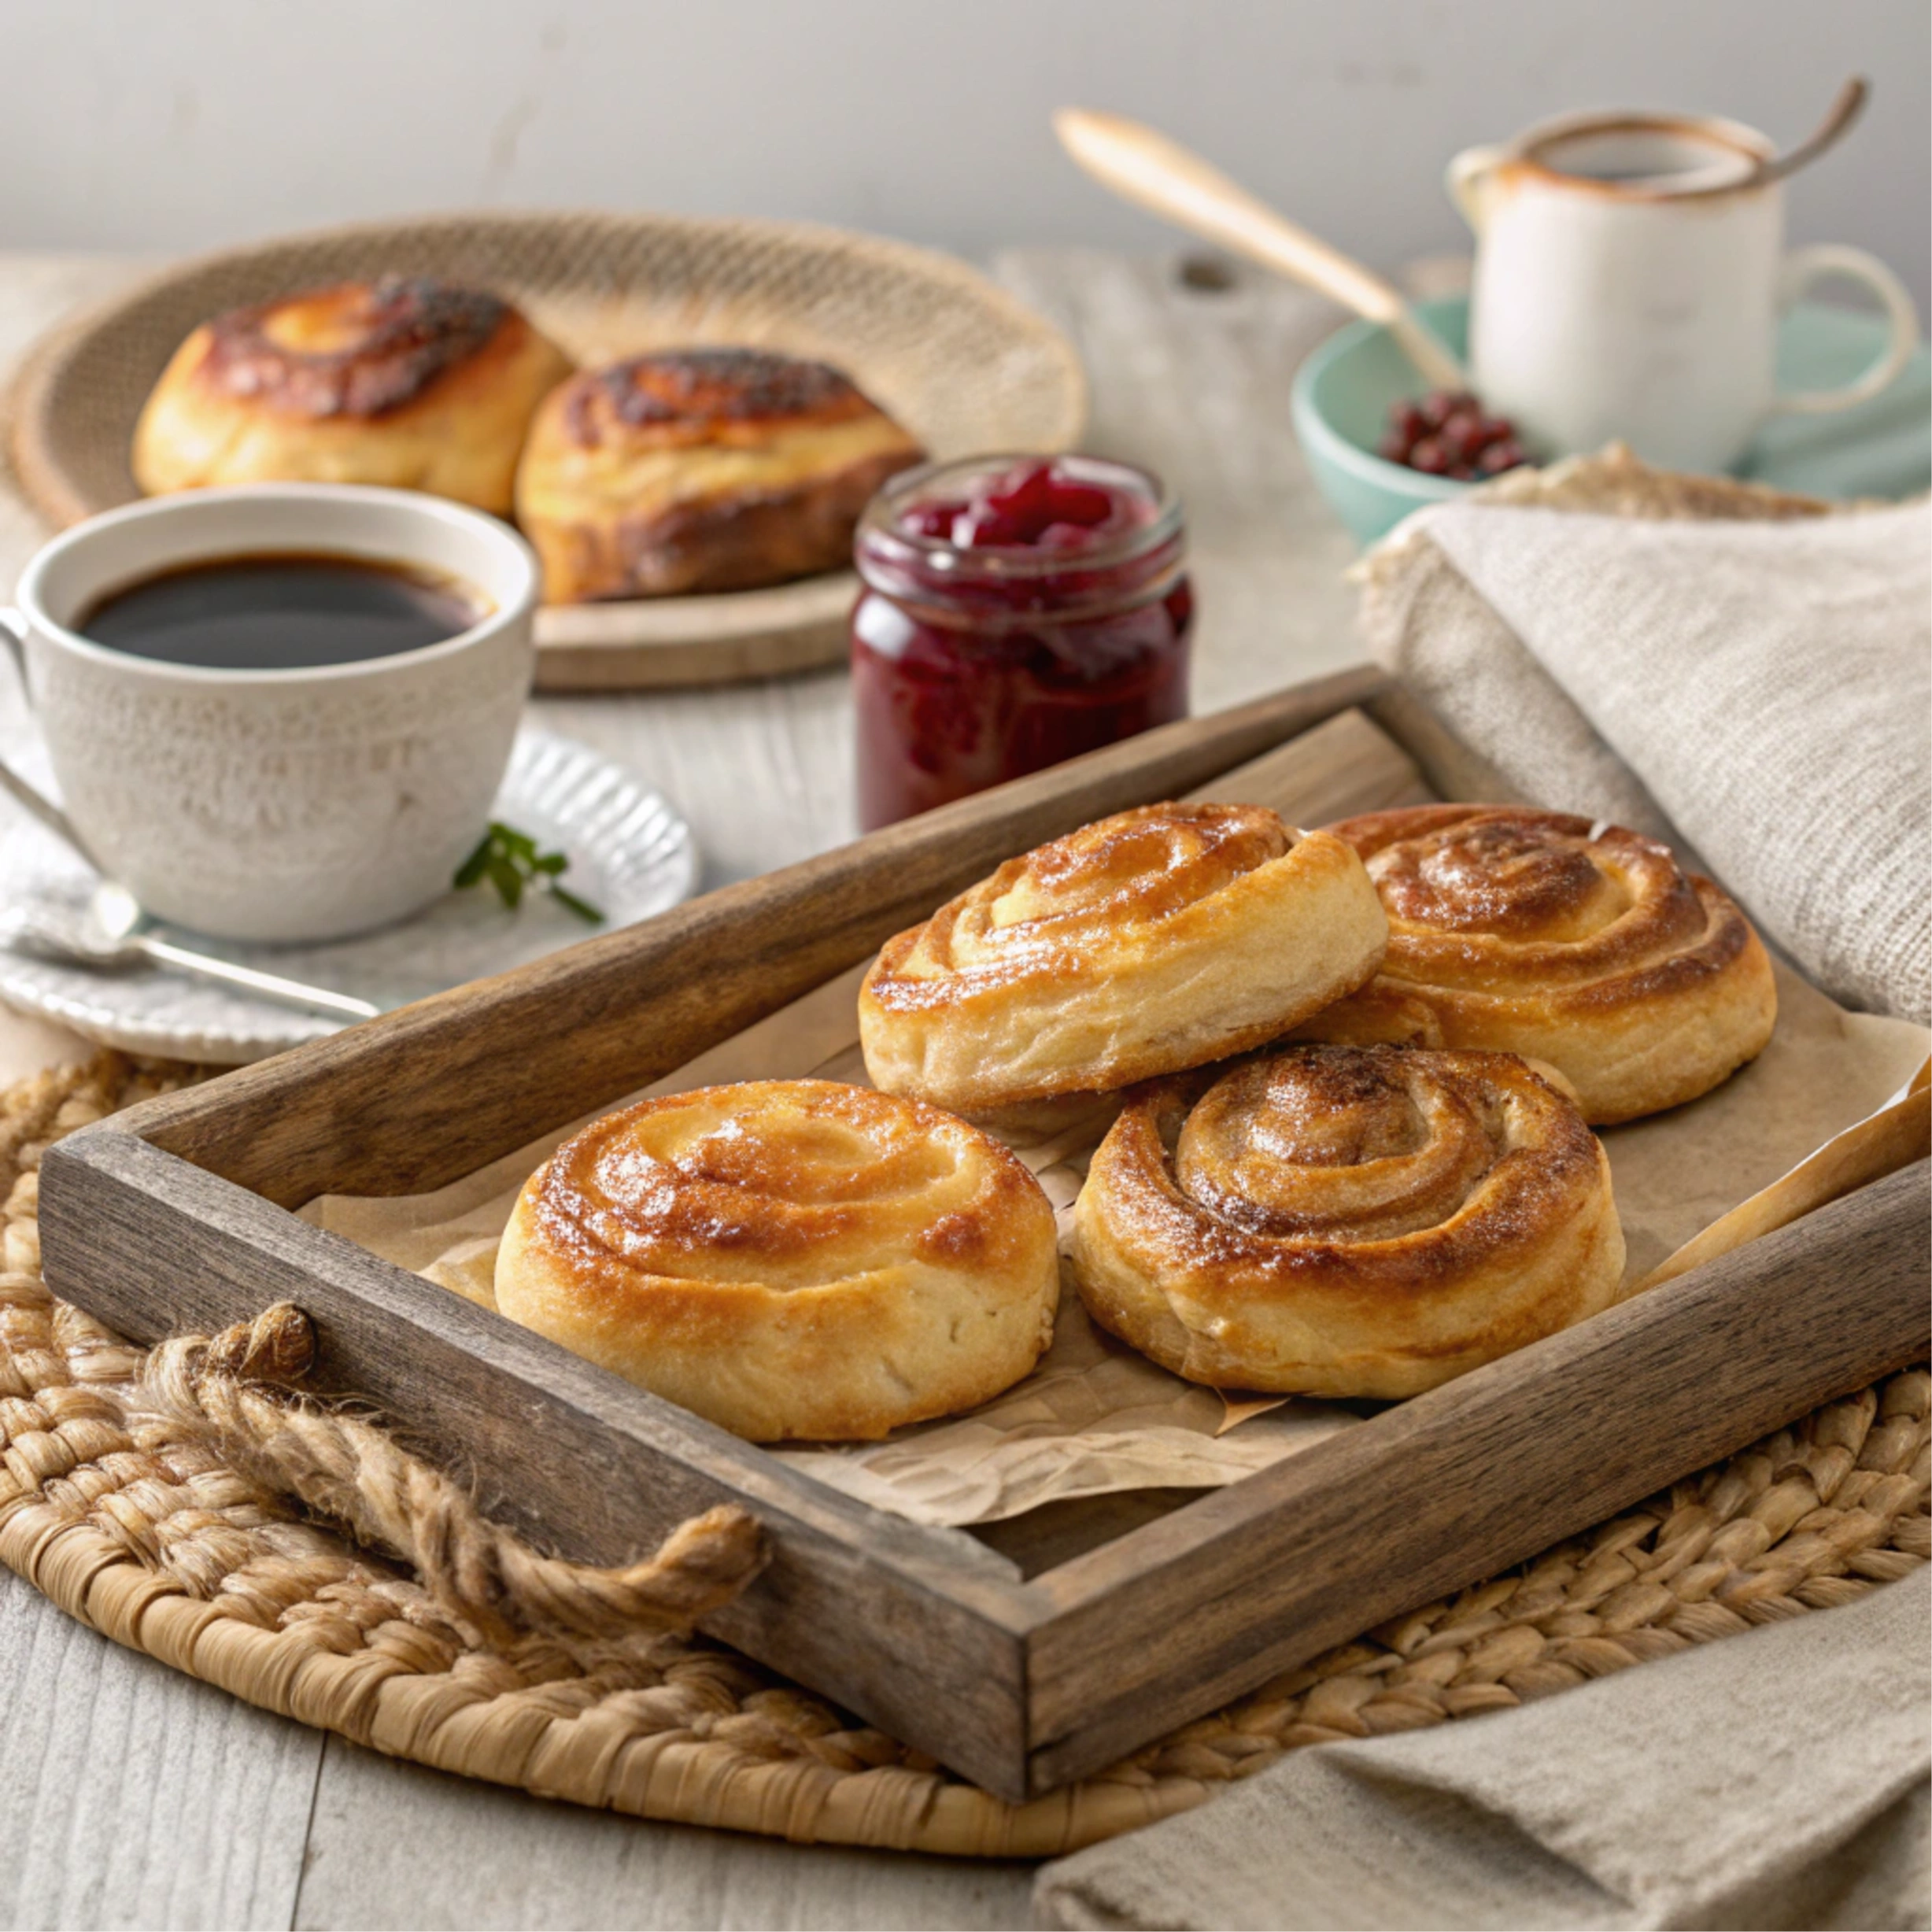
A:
(1016, 611)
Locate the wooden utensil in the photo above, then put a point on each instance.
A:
(1148, 169)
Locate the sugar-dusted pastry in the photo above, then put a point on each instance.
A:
(701, 469)
(405, 382)
(1347, 1221)
(791, 1258)
(1157, 940)
(1585, 946)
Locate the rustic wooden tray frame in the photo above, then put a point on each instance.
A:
(176, 1217)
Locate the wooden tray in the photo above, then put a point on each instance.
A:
(1039, 1651)
(957, 360)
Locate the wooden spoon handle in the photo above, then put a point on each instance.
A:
(1162, 176)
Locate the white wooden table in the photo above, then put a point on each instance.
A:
(132, 1796)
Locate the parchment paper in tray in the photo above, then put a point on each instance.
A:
(1095, 1417)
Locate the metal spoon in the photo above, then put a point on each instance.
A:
(111, 933)
(1846, 108)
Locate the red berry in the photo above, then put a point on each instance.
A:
(1438, 407)
(1025, 492)
(1407, 421)
(1460, 472)
(1084, 504)
(987, 528)
(930, 520)
(1396, 446)
(1430, 457)
(1504, 454)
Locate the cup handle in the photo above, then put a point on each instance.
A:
(1463, 178)
(1803, 266)
(13, 633)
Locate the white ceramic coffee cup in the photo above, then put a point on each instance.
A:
(1629, 273)
(279, 805)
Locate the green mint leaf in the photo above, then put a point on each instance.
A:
(507, 881)
(510, 860)
(583, 909)
(471, 870)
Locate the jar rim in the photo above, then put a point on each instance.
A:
(937, 563)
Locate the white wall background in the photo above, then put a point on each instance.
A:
(177, 124)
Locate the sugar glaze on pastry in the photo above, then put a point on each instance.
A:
(788, 1258)
(701, 469)
(405, 382)
(1585, 946)
(1347, 1221)
(1153, 941)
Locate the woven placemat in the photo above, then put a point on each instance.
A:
(121, 1498)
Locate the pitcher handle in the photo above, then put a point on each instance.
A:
(1803, 266)
(1463, 178)
(13, 633)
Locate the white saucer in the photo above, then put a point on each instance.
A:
(630, 856)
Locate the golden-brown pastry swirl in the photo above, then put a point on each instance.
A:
(1585, 946)
(1347, 1221)
(1153, 941)
(404, 380)
(789, 1258)
(701, 469)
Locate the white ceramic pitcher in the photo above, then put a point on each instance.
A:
(1629, 273)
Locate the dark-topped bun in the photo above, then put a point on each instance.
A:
(404, 380)
(700, 469)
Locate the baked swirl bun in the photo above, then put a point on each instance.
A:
(1585, 946)
(701, 469)
(405, 382)
(1153, 941)
(1347, 1221)
(788, 1258)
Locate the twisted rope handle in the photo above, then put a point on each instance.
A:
(236, 1391)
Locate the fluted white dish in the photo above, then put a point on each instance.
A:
(631, 855)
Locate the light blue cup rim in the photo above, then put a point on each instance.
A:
(1317, 434)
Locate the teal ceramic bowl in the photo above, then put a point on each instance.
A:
(1883, 448)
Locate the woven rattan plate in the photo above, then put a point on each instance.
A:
(149, 1493)
(964, 367)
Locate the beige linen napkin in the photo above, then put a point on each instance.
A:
(1778, 1779)
(1757, 692)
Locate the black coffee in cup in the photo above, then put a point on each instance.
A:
(282, 611)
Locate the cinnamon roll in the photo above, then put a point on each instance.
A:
(701, 469)
(1585, 946)
(789, 1258)
(1347, 1221)
(1153, 941)
(404, 381)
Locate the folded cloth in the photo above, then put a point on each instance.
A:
(1776, 1778)
(1757, 692)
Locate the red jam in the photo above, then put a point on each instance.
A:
(1017, 612)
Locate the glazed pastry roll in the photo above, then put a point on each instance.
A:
(701, 469)
(1347, 1221)
(405, 382)
(788, 1258)
(1154, 940)
(1585, 946)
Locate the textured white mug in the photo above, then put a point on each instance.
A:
(1629, 273)
(279, 805)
